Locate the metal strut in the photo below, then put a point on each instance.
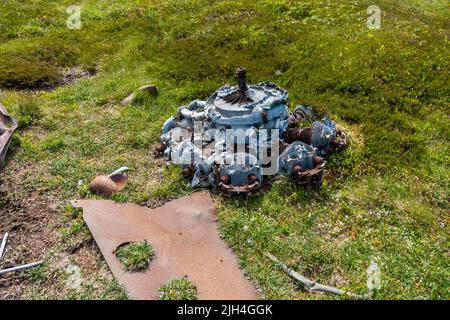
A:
(239, 96)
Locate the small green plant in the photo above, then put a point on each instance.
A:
(53, 144)
(28, 107)
(135, 256)
(28, 111)
(178, 289)
(141, 98)
(37, 274)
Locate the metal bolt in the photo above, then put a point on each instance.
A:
(252, 178)
(225, 179)
(317, 160)
(296, 169)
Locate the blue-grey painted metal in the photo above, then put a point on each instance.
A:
(196, 137)
(323, 132)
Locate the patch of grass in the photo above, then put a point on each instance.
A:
(173, 185)
(28, 111)
(23, 74)
(135, 256)
(99, 289)
(53, 144)
(75, 230)
(38, 274)
(142, 98)
(178, 289)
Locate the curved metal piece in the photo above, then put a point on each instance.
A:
(301, 113)
(246, 189)
(7, 127)
(314, 286)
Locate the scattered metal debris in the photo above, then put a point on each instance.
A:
(3, 246)
(20, 268)
(243, 134)
(150, 89)
(110, 184)
(184, 236)
(7, 127)
(313, 286)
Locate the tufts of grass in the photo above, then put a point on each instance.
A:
(135, 256)
(142, 98)
(178, 289)
(28, 111)
(99, 289)
(75, 230)
(23, 74)
(38, 274)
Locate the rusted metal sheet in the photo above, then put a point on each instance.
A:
(185, 238)
(7, 127)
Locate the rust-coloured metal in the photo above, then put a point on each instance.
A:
(150, 89)
(108, 185)
(309, 179)
(304, 135)
(185, 238)
(340, 143)
(239, 96)
(7, 127)
(296, 134)
(188, 172)
(246, 189)
(227, 189)
(159, 150)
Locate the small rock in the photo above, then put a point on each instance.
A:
(127, 100)
(150, 89)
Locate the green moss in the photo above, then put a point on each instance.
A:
(23, 74)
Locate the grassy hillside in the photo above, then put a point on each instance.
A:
(386, 198)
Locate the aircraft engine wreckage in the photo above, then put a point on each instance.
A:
(7, 127)
(243, 134)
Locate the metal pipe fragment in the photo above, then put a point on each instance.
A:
(119, 171)
(22, 267)
(3, 245)
(311, 285)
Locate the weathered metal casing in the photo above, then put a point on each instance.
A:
(7, 127)
(198, 138)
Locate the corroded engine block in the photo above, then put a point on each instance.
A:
(242, 135)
